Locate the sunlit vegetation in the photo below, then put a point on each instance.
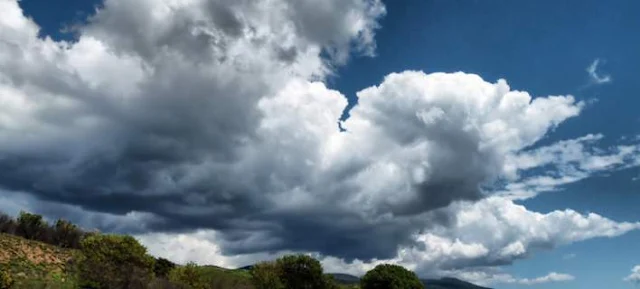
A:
(35, 254)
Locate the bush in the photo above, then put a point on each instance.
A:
(330, 282)
(162, 267)
(32, 227)
(7, 224)
(66, 234)
(388, 276)
(266, 276)
(6, 282)
(300, 272)
(188, 277)
(113, 261)
(162, 283)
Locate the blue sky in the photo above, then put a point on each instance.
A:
(541, 47)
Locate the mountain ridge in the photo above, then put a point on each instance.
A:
(442, 283)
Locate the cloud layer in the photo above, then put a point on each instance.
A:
(209, 122)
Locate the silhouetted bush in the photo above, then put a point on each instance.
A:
(7, 224)
(266, 276)
(6, 282)
(162, 267)
(389, 276)
(32, 227)
(66, 234)
(114, 262)
(300, 272)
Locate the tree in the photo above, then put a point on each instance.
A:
(114, 262)
(7, 224)
(330, 282)
(265, 275)
(387, 276)
(66, 234)
(162, 267)
(300, 272)
(32, 226)
(188, 277)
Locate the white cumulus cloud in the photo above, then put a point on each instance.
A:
(209, 123)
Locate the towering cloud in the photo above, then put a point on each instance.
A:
(209, 120)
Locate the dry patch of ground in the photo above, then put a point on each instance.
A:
(31, 261)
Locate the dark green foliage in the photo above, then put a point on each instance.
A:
(7, 224)
(291, 272)
(6, 282)
(66, 234)
(300, 272)
(63, 233)
(32, 227)
(162, 267)
(188, 277)
(266, 276)
(162, 283)
(330, 282)
(114, 262)
(389, 276)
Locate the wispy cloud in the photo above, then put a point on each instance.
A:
(594, 76)
(635, 275)
(551, 277)
(569, 256)
(492, 278)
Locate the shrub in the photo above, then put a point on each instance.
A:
(7, 224)
(161, 283)
(162, 267)
(388, 276)
(188, 277)
(114, 261)
(300, 272)
(6, 282)
(266, 276)
(66, 234)
(330, 282)
(32, 226)
(224, 279)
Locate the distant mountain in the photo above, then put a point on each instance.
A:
(345, 279)
(248, 268)
(443, 283)
(449, 283)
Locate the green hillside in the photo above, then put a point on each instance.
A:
(33, 264)
(36, 255)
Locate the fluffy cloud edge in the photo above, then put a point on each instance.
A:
(634, 276)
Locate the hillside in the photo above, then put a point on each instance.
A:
(443, 283)
(33, 264)
(450, 283)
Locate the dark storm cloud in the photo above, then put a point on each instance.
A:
(174, 117)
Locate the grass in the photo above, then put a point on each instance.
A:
(218, 277)
(36, 265)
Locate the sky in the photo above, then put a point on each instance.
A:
(493, 141)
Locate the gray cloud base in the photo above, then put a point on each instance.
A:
(174, 116)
